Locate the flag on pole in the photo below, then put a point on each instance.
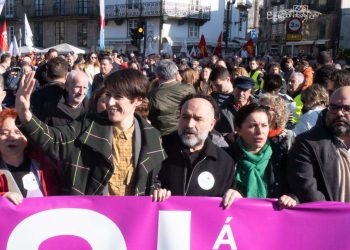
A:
(250, 47)
(2, 3)
(102, 24)
(4, 47)
(193, 52)
(202, 46)
(28, 34)
(14, 50)
(218, 48)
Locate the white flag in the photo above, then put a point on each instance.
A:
(2, 3)
(193, 52)
(14, 50)
(28, 35)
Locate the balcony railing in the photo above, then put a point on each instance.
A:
(171, 9)
(88, 8)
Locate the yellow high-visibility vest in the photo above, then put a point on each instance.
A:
(255, 76)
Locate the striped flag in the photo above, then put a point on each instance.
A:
(102, 24)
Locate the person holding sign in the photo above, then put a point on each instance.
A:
(23, 173)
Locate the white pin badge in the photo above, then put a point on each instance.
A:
(29, 182)
(206, 180)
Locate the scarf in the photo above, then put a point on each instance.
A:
(250, 174)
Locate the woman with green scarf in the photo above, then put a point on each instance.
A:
(260, 173)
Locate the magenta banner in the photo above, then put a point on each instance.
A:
(180, 223)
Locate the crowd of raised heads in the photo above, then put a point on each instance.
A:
(226, 127)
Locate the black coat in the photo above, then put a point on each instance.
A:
(85, 149)
(213, 161)
(313, 165)
(49, 105)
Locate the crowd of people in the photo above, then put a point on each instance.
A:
(111, 124)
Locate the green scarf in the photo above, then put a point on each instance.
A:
(250, 173)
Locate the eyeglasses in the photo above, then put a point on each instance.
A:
(333, 108)
(93, 57)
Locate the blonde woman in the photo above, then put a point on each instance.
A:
(93, 66)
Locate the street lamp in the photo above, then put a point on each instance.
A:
(228, 12)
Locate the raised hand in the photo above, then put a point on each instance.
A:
(23, 94)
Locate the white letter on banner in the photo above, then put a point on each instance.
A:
(174, 230)
(98, 230)
(226, 230)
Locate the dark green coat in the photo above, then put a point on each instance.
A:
(85, 150)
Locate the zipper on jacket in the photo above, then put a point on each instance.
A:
(189, 181)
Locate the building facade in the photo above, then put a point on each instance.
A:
(345, 27)
(320, 26)
(55, 21)
(174, 22)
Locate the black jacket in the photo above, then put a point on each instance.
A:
(313, 165)
(212, 174)
(49, 105)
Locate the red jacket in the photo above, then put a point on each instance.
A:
(49, 176)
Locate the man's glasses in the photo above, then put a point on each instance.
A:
(345, 109)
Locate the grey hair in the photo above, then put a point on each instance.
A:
(166, 70)
(299, 76)
(73, 73)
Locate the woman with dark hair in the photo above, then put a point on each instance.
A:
(23, 173)
(204, 85)
(97, 103)
(260, 171)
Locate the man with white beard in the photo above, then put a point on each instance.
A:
(195, 166)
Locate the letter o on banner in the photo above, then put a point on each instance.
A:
(98, 230)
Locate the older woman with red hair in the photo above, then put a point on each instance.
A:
(23, 172)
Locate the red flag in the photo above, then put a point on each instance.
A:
(250, 47)
(218, 48)
(4, 47)
(202, 46)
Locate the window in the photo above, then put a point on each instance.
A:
(133, 4)
(193, 30)
(10, 9)
(132, 24)
(59, 7)
(82, 34)
(38, 7)
(195, 5)
(83, 7)
(59, 32)
(10, 33)
(322, 33)
(38, 34)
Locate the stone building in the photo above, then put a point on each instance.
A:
(320, 26)
(55, 21)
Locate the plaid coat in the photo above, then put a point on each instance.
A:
(85, 151)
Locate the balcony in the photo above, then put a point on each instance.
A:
(243, 5)
(170, 9)
(71, 9)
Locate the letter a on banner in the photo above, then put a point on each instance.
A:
(225, 237)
